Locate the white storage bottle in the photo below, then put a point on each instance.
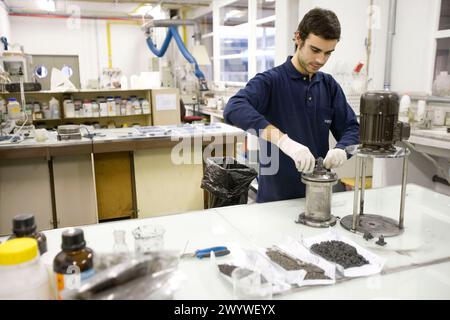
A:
(22, 274)
(14, 110)
(54, 108)
(145, 106)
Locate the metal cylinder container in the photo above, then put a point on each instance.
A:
(319, 186)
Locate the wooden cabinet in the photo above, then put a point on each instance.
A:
(115, 185)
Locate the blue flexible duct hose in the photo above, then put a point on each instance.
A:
(173, 32)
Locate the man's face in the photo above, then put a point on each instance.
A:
(313, 52)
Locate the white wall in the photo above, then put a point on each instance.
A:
(350, 49)
(4, 22)
(88, 41)
(414, 45)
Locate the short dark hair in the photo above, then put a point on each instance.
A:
(320, 22)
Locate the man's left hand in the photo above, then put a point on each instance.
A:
(335, 158)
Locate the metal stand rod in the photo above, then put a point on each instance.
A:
(356, 193)
(402, 199)
(363, 185)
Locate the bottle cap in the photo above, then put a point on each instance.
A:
(73, 239)
(16, 251)
(24, 224)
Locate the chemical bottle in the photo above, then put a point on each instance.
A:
(145, 106)
(74, 264)
(405, 104)
(111, 105)
(14, 110)
(54, 108)
(24, 226)
(22, 273)
(2, 107)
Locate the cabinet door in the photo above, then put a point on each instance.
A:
(163, 187)
(76, 202)
(114, 184)
(25, 188)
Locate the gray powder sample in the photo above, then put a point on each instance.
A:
(289, 263)
(340, 253)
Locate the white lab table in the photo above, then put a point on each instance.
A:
(417, 262)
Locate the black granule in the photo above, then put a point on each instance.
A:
(227, 269)
(340, 253)
(289, 263)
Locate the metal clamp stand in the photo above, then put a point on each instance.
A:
(376, 225)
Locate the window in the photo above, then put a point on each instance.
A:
(239, 39)
(444, 19)
(265, 35)
(441, 75)
(206, 29)
(233, 35)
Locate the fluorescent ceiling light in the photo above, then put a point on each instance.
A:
(47, 5)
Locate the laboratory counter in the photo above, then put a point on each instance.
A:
(110, 173)
(417, 262)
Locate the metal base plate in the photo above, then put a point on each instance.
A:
(317, 224)
(375, 224)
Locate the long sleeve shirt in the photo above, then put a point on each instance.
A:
(306, 110)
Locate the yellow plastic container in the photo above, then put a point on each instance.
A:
(22, 275)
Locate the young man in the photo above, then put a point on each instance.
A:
(294, 106)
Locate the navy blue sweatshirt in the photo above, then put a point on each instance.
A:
(304, 109)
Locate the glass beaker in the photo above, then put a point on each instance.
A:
(250, 285)
(148, 238)
(120, 246)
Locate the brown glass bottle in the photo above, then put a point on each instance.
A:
(74, 264)
(24, 226)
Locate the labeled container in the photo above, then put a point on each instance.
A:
(2, 107)
(111, 106)
(24, 226)
(103, 106)
(46, 110)
(87, 108)
(145, 105)
(74, 264)
(95, 109)
(14, 110)
(54, 108)
(69, 108)
(23, 276)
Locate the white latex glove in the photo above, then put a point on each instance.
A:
(303, 158)
(335, 158)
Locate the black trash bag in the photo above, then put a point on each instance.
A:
(227, 181)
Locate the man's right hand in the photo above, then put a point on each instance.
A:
(303, 158)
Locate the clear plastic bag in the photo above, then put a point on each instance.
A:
(140, 277)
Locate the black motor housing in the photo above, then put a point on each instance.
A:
(379, 127)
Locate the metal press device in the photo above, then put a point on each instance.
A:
(319, 186)
(379, 130)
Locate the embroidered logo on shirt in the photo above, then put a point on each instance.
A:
(327, 121)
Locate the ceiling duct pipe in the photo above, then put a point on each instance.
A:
(390, 39)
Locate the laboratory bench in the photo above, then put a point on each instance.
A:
(118, 173)
(417, 262)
